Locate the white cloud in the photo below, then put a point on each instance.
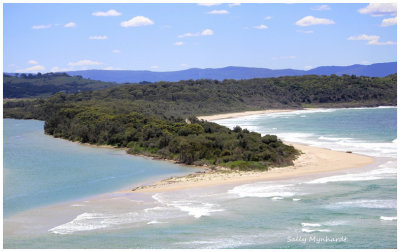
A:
(364, 37)
(84, 63)
(389, 21)
(310, 20)
(137, 21)
(98, 37)
(109, 68)
(218, 12)
(321, 7)
(34, 69)
(33, 62)
(234, 4)
(179, 43)
(267, 18)
(372, 39)
(376, 42)
(208, 4)
(116, 51)
(183, 64)
(308, 67)
(206, 32)
(154, 67)
(109, 13)
(70, 25)
(260, 27)
(38, 27)
(58, 69)
(379, 9)
(305, 31)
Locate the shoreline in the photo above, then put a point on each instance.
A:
(247, 113)
(309, 163)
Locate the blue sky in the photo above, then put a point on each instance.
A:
(167, 37)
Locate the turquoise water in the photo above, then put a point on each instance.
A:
(41, 170)
(351, 209)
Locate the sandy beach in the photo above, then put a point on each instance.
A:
(313, 160)
(244, 113)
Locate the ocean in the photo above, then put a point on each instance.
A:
(355, 208)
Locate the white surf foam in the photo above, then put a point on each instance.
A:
(83, 222)
(384, 171)
(375, 149)
(305, 224)
(379, 204)
(308, 230)
(193, 208)
(93, 221)
(386, 218)
(264, 190)
(296, 199)
(155, 222)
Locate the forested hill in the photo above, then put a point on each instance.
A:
(202, 97)
(232, 72)
(42, 85)
(150, 119)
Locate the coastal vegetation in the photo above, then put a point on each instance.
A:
(43, 85)
(159, 119)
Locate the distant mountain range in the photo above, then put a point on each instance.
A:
(231, 72)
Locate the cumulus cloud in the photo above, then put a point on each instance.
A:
(33, 69)
(267, 18)
(206, 32)
(218, 12)
(208, 4)
(179, 43)
(98, 37)
(308, 67)
(154, 67)
(70, 25)
(109, 13)
(85, 62)
(389, 21)
(32, 62)
(310, 20)
(321, 7)
(379, 9)
(116, 51)
(234, 4)
(261, 27)
(372, 39)
(38, 27)
(137, 21)
(59, 69)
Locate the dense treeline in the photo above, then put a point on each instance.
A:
(42, 85)
(149, 119)
(190, 142)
